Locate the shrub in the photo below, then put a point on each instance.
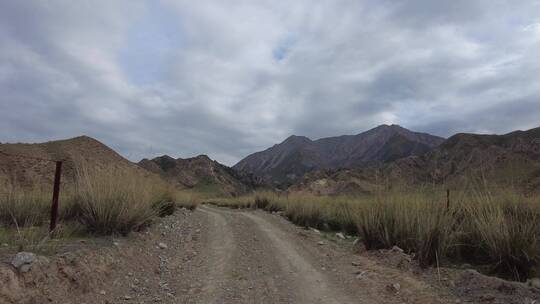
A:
(506, 233)
(116, 201)
(260, 202)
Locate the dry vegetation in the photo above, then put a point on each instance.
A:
(499, 233)
(102, 202)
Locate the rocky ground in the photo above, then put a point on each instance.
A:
(216, 255)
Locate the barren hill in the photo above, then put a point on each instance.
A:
(512, 158)
(297, 155)
(32, 165)
(198, 172)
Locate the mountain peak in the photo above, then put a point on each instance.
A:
(298, 154)
(296, 139)
(392, 126)
(203, 157)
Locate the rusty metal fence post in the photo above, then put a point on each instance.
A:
(56, 194)
(447, 199)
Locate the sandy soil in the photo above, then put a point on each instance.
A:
(216, 255)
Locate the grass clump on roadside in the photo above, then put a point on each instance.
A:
(116, 201)
(24, 219)
(415, 223)
(502, 231)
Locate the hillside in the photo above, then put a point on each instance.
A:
(512, 159)
(27, 165)
(199, 172)
(297, 155)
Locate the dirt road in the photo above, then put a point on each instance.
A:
(217, 255)
(263, 264)
(256, 257)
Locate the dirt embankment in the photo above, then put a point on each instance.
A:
(216, 255)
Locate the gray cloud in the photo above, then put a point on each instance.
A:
(227, 79)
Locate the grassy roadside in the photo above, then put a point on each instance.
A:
(498, 232)
(102, 201)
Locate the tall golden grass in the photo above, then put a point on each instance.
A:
(115, 201)
(24, 215)
(101, 201)
(499, 230)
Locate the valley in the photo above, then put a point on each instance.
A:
(385, 216)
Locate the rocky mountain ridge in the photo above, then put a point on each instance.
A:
(509, 160)
(198, 172)
(290, 160)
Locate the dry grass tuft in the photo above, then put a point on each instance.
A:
(116, 201)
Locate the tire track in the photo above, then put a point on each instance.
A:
(220, 249)
(311, 285)
(300, 280)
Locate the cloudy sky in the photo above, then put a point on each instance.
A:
(227, 78)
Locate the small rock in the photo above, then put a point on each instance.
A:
(162, 245)
(126, 297)
(361, 274)
(23, 261)
(534, 282)
(25, 268)
(5, 244)
(321, 243)
(70, 258)
(355, 263)
(340, 235)
(315, 230)
(394, 287)
(102, 292)
(116, 244)
(471, 272)
(356, 241)
(397, 249)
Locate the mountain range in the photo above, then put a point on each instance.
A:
(32, 166)
(334, 165)
(285, 163)
(512, 158)
(509, 160)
